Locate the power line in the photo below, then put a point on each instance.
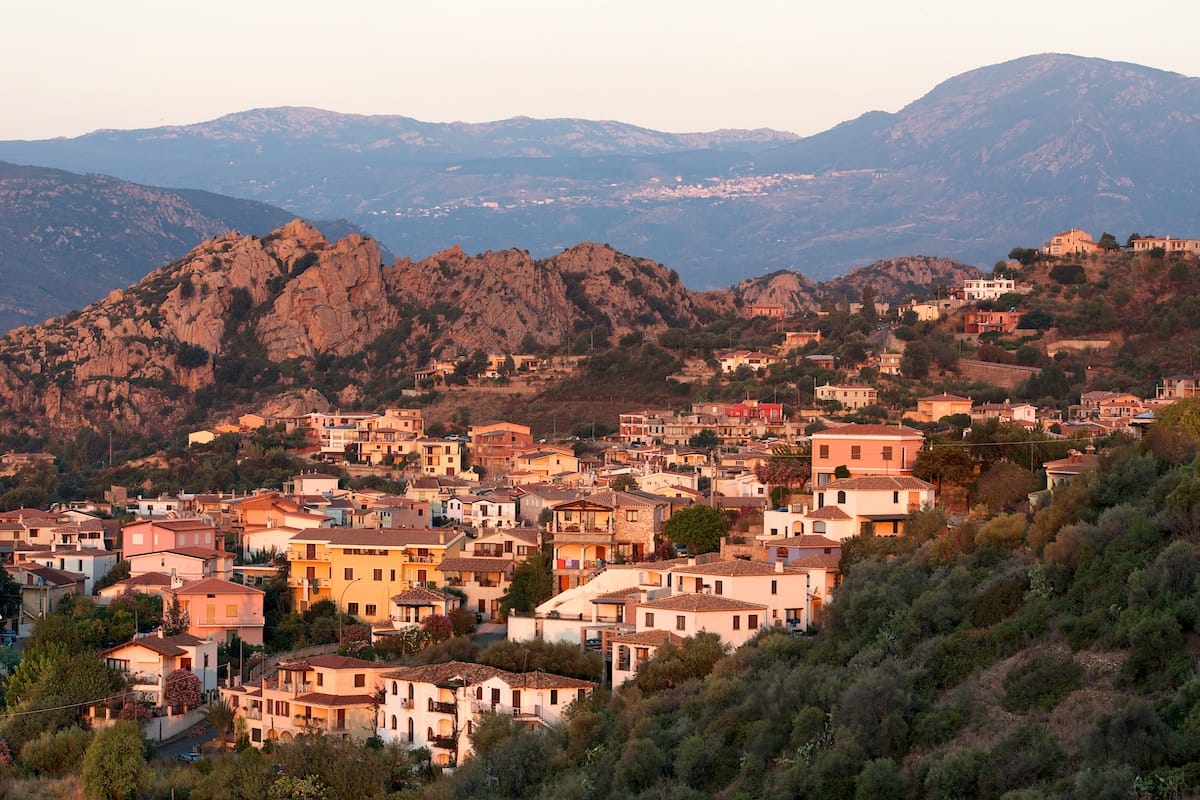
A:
(63, 708)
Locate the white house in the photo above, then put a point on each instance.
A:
(438, 705)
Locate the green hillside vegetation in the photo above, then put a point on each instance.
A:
(1019, 657)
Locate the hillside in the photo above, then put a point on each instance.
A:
(67, 239)
(1009, 152)
(1014, 658)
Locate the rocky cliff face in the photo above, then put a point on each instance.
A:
(241, 319)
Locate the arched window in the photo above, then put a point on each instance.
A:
(410, 691)
(395, 688)
(410, 730)
(841, 497)
(394, 726)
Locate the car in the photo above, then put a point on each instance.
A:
(191, 756)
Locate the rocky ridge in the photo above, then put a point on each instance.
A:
(242, 318)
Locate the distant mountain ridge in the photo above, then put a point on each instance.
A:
(68, 239)
(1001, 156)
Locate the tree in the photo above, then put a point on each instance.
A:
(1108, 242)
(113, 762)
(182, 688)
(941, 464)
(437, 627)
(787, 467)
(623, 483)
(532, 584)
(700, 528)
(706, 439)
(175, 619)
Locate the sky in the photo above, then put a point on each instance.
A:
(69, 67)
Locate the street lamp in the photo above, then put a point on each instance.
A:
(339, 606)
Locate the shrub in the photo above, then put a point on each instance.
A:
(56, 754)
(1041, 683)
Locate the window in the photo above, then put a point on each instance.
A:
(720, 587)
(895, 497)
(823, 451)
(649, 620)
(631, 515)
(378, 575)
(231, 610)
(737, 622)
(495, 697)
(841, 498)
(886, 453)
(348, 573)
(394, 722)
(752, 621)
(855, 452)
(392, 575)
(256, 734)
(370, 610)
(774, 587)
(554, 697)
(681, 623)
(320, 679)
(360, 679)
(352, 609)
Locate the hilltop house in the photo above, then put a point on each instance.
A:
(864, 450)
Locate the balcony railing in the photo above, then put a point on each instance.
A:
(444, 742)
(407, 702)
(253, 713)
(443, 708)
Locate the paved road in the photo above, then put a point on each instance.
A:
(186, 742)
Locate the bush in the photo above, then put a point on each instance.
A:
(1041, 683)
(56, 754)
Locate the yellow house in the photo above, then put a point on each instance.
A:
(934, 407)
(547, 460)
(361, 569)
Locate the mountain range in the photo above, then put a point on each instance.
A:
(1001, 156)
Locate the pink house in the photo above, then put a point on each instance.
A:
(156, 535)
(217, 609)
(864, 450)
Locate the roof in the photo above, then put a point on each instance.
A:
(216, 586)
(828, 512)
(475, 564)
(379, 537)
(652, 637)
(895, 431)
(944, 398)
(328, 662)
(420, 596)
(805, 540)
(477, 673)
(880, 482)
(57, 577)
(175, 524)
(324, 699)
(819, 561)
(733, 567)
(617, 596)
(700, 603)
(163, 645)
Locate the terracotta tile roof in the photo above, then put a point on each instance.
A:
(820, 561)
(477, 673)
(805, 540)
(167, 645)
(323, 699)
(328, 662)
(379, 537)
(475, 564)
(419, 596)
(197, 552)
(654, 637)
(730, 567)
(870, 430)
(699, 603)
(944, 397)
(880, 482)
(829, 512)
(216, 586)
(619, 594)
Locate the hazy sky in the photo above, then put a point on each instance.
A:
(71, 66)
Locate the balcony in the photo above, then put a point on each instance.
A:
(407, 702)
(443, 708)
(444, 742)
(253, 713)
(421, 560)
